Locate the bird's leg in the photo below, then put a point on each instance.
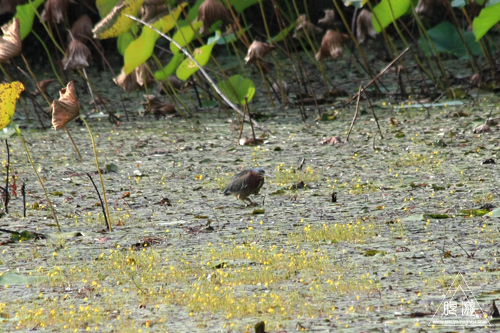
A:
(251, 202)
(244, 202)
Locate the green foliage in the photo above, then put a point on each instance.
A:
(488, 17)
(188, 67)
(184, 35)
(222, 39)
(447, 40)
(26, 14)
(240, 5)
(387, 11)
(279, 37)
(168, 70)
(105, 6)
(193, 10)
(237, 88)
(116, 22)
(123, 41)
(142, 48)
(355, 3)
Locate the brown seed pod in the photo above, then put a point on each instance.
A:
(10, 42)
(212, 11)
(135, 80)
(77, 56)
(54, 11)
(303, 27)
(257, 51)
(364, 26)
(329, 19)
(66, 108)
(332, 45)
(82, 29)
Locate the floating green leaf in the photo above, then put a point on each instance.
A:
(387, 11)
(237, 88)
(116, 22)
(183, 36)
(487, 18)
(26, 14)
(474, 212)
(12, 279)
(188, 67)
(168, 70)
(142, 48)
(495, 213)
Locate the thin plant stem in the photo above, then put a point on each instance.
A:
(378, 75)
(39, 178)
(99, 172)
(7, 169)
(355, 40)
(250, 116)
(287, 48)
(50, 58)
(112, 73)
(355, 113)
(374, 114)
(73, 142)
(242, 123)
(100, 199)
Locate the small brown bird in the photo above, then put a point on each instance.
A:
(246, 183)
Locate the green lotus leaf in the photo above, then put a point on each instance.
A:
(237, 88)
(387, 11)
(188, 67)
(105, 6)
(279, 37)
(123, 41)
(163, 74)
(487, 18)
(240, 5)
(193, 10)
(116, 22)
(26, 14)
(142, 48)
(185, 35)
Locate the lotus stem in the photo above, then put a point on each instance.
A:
(99, 172)
(38, 176)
